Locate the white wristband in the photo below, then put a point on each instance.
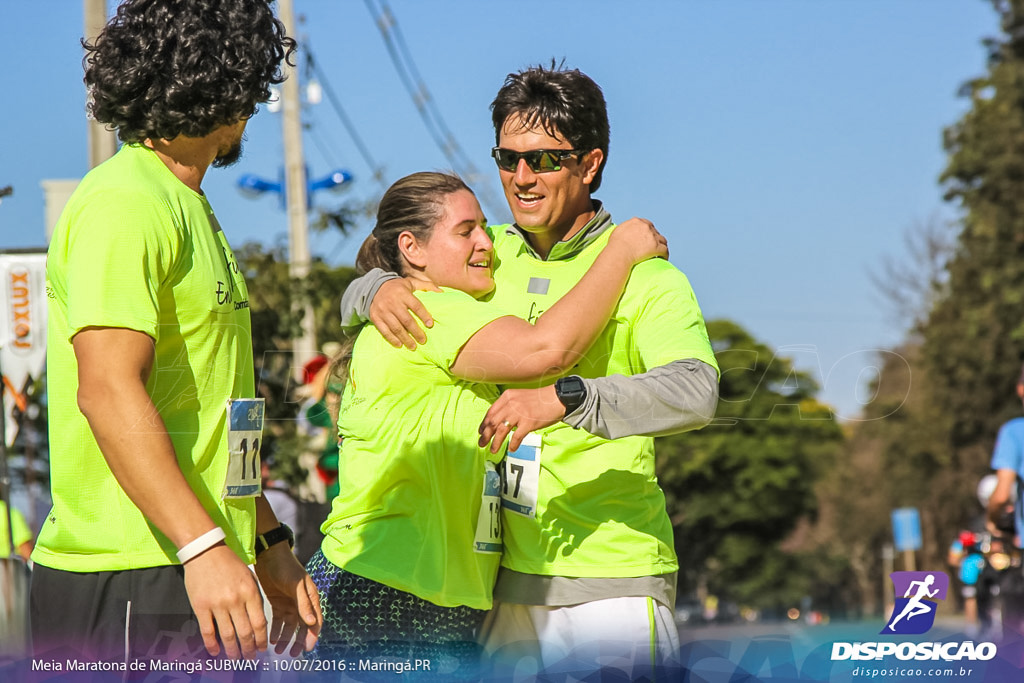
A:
(201, 544)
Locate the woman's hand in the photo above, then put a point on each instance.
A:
(639, 239)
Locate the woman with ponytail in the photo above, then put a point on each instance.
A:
(412, 544)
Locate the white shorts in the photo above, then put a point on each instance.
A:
(636, 635)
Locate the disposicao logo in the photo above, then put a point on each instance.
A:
(915, 611)
(917, 594)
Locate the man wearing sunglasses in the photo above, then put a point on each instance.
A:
(589, 568)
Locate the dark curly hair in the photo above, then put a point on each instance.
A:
(163, 68)
(566, 103)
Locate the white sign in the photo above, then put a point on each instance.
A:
(22, 329)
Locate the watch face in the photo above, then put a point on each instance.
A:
(574, 384)
(571, 392)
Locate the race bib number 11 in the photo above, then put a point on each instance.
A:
(245, 435)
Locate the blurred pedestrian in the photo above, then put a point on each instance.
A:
(21, 536)
(321, 412)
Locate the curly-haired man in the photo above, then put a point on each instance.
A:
(154, 428)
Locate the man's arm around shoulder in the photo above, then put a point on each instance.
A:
(677, 397)
(387, 300)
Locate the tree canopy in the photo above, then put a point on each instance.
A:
(974, 334)
(737, 488)
(274, 324)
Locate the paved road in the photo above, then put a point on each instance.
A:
(866, 629)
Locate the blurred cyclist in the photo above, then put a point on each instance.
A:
(978, 556)
(1008, 462)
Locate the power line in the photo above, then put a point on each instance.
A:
(321, 140)
(324, 145)
(332, 97)
(425, 104)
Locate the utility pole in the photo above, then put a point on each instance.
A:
(102, 142)
(304, 347)
(889, 601)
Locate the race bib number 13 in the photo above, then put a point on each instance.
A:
(488, 524)
(519, 475)
(245, 435)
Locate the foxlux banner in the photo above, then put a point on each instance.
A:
(22, 329)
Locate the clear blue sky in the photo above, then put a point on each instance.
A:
(783, 146)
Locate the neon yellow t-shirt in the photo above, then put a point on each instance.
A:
(599, 510)
(137, 249)
(410, 472)
(19, 529)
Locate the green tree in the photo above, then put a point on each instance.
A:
(274, 325)
(736, 489)
(896, 455)
(926, 438)
(974, 335)
(926, 443)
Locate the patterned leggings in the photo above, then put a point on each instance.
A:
(363, 618)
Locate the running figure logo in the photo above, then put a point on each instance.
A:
(914, 613)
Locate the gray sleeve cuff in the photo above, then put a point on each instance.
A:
(669, 399)
(355, 302)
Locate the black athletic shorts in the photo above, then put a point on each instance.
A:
(114, 616)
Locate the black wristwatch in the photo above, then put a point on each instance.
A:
(274, 536)
(571, 391)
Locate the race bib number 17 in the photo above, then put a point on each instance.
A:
(519, 476)
(245, 435)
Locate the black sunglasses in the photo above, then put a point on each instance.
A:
(539, 160)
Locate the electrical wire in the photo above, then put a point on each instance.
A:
(438, 129)
(323, 145)
(332, 97)
(321, 139)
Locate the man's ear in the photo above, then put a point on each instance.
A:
(591, 164)
(412, 250)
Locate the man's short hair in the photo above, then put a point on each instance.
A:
(163, 68)
(565, 103)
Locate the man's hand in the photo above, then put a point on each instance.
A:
(393, 308)
(517, 412)
(227, 602)
(293, 597)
